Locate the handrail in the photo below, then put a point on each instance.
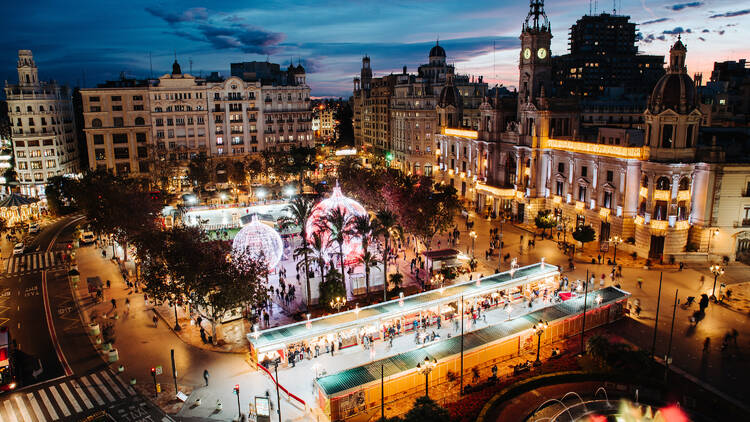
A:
(281, 386)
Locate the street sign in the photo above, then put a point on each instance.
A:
(262, 406)
(159, 370)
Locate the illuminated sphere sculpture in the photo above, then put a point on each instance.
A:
(259, 240)
(352, 245)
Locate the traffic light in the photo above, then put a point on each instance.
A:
(389, 156)
(237, 389)
(153, 371)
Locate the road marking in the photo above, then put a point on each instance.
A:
(10, 411)
(59, 400)
(35, 407)
(48, 405)
(51, 327)
(114, 385)
(104, 390)
(92, 390)
(22, 407)
(81, 393)
(69, 395)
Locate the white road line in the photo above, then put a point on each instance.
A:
(104, 389)
(10, 411)
(59, 400)
(72, 399)
(81, 393)
(92, 390)
(35, 407)
(105, 375)
(48, 405)
(22, 407)
(128, 388)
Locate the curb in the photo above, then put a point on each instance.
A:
(171, 328)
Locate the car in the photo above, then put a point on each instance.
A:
(87, 238)
(33, 228)
(18, 249)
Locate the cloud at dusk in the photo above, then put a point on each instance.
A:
(329, 37)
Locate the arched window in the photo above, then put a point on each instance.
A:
(684, 183)
(41, 108)
(96, 123)
(18, 109)
(662, 183)
(139, 121)
(28, 108)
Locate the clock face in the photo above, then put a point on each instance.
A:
(527, 53)
(542, 53)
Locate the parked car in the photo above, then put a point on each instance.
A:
(33, 228)
(18, 249)
(88, 238)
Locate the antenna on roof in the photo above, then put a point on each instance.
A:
(589, 7)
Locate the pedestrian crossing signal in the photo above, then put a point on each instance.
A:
(237, 389)
(153, 371)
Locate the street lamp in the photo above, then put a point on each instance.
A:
(539, 328)
(616, 241)
(717, 271)
(473, 236)
(425, 368)
(338, 303)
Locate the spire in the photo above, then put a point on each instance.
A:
(536, 20)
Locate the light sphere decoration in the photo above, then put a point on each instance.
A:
(259, 240)
(352, 247)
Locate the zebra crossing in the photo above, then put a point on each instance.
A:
(66, 398)
(32, 262)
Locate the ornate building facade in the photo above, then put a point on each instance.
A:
(43, 127)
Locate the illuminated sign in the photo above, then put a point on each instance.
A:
(262, 406)
(643, 192)
(661, 195)
(350, 151)
(683, 195)
(471, 134)
(604, 212)
(631, 153)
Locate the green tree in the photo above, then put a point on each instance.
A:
(364, 227)
(368, 260)
(388, 227)
(236, 172)
(332, 287)
(161, 168)
(254, 168)
(396, 280)
(425, 409)
(337, 223)
(319, 249)
(60, 192)
(584, 234)
(299, 210)
(299, 161)
(198, 171)
(545, 220)
(344, 126)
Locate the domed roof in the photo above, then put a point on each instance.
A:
(449, 95)
(437, 51)
(675, 91)
(258, 240)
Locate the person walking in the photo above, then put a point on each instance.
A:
(114, 303)
(640, 282)
(205, 376)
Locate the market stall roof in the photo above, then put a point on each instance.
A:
(94, 282)
(16, 200)
(441, 254)
(356, 377)
(278, 336)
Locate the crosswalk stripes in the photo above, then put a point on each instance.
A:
(64, 398)
(32, 262)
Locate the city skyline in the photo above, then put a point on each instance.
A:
(392, 34)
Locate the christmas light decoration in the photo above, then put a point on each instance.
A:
(259, 240)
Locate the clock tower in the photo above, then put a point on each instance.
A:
(535, 63)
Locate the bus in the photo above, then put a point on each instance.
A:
(7, 369)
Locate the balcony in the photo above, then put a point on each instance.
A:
(746, 222)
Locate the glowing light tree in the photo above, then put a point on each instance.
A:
(352, 246)
(259, 241)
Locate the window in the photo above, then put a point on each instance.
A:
(99, 154)
(95, 109)
(662, 183)
(23, 165)
(584, 171)
(138, 107)
(121, 153)
(116, 98)
(666, 136)
(35, 153)
(20, 154)
(119, 138)
(561, 167)
(582, 193)
(689, 137)
(36, 165)
(116, 108)
(143, 166)
(94, 99)
(51, 164)
(118, 122)
(137, 98)
(140, 137)
(559, 186)
(142, 152)
(607, 199)
(610, 176)
(140, 121)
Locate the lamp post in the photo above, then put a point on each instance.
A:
(539, 328)
(473, 236)
(176, 321)
(425, 368)
(615, 241)
(338, 303)
(717, 271)
(278, 395)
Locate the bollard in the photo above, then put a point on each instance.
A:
(98, 341)
(94, 329)
(106, 347)
(132, 381)
(218, 405)
(114, 356)
(121, 369)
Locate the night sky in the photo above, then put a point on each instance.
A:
(83, 42)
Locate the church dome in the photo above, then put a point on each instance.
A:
(676, 89)
(437, 51)
(449, 96)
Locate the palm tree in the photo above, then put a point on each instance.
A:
(300, 210)
(364, 227)
(387, 227)
(337, 223)
(318, 248)
(368, 260)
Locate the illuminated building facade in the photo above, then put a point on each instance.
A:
(44, 136)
